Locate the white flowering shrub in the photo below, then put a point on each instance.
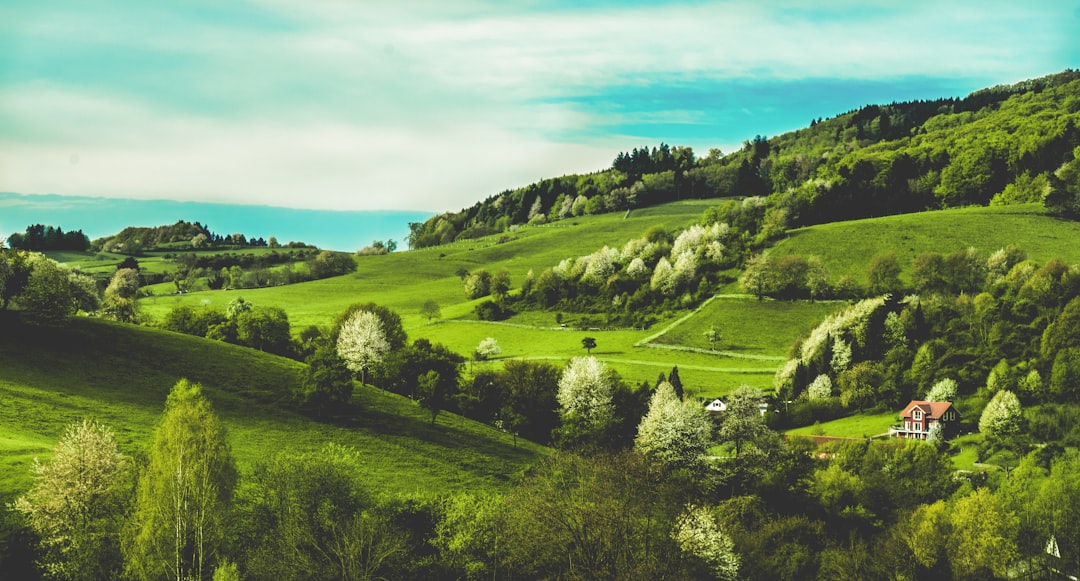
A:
(820, 388)
(698, 533)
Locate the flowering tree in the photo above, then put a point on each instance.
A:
(487, 349)
(76, 503)
(673, 431)
(362, 342)
(698, 533)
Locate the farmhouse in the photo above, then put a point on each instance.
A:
(920, 417)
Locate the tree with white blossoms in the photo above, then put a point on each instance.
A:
(820, 388)
(1002, 416)
(637, 269)
(362, 342)
(601, 265)
(487, 349)
(676, 432)
(698, 533)
(944, 390)
(841, 358)
(76, 504)
(663, 277)
(585, 397)
(683, 272)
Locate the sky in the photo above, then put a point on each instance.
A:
(433, 105)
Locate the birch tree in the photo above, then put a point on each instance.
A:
(183, 497)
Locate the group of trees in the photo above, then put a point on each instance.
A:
(46, 291)
(761, 507)
(1010, 144)
(994, 334)
(39, 237)
(241, 323)
(183, 235)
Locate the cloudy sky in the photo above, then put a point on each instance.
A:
(433, 105)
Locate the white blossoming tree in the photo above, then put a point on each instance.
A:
(362, 342)
(76, 503)
(585, 398)
(487, 349)
(944, 390)
(698, 533)
(676, 432)
(820, 388)
(1002, 416)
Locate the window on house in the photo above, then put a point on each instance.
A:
(917, 415)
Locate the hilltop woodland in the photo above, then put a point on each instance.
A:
(633, 480)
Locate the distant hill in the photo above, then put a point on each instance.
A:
(1000, 144)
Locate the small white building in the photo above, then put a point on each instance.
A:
(716, 405)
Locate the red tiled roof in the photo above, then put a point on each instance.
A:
(933, 409)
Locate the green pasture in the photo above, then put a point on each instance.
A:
(403, 281)
(707, 375)
(749, 326)
(846, 248)
(857, 426)
(120, 375)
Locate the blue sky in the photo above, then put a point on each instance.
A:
(428, 105)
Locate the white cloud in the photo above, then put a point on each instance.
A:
(431, 105)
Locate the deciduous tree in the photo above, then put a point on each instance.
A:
(362, 342)
(1002, 415)
(183, 497)
(675, 432)
(76, 504)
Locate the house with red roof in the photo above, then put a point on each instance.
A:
(919, 417)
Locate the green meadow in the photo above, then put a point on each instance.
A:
(120, 375)
(857, 426)
(846, 248)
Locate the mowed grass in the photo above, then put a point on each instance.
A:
(846, 248)
(120, 375)
(702, 374)
(749, 326)
(857, 426)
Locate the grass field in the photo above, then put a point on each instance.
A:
(120, 375)
(858, 426)
(847, 247)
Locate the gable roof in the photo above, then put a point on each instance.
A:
(932, 409)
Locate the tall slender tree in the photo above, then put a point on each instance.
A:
(183, 497)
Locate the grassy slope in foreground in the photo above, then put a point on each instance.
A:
(120, 375)
(848, 247)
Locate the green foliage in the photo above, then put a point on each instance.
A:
(982, 537)
(47, 296)
(183, 497)
(77, 504)
(327, 386)
(311, 516)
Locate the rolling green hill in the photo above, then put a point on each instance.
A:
(121, 374)
(846, 248)
(756, 334)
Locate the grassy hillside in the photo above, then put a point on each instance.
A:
(404, 280)
(847, 247)
(120, 375)
(756, 334)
